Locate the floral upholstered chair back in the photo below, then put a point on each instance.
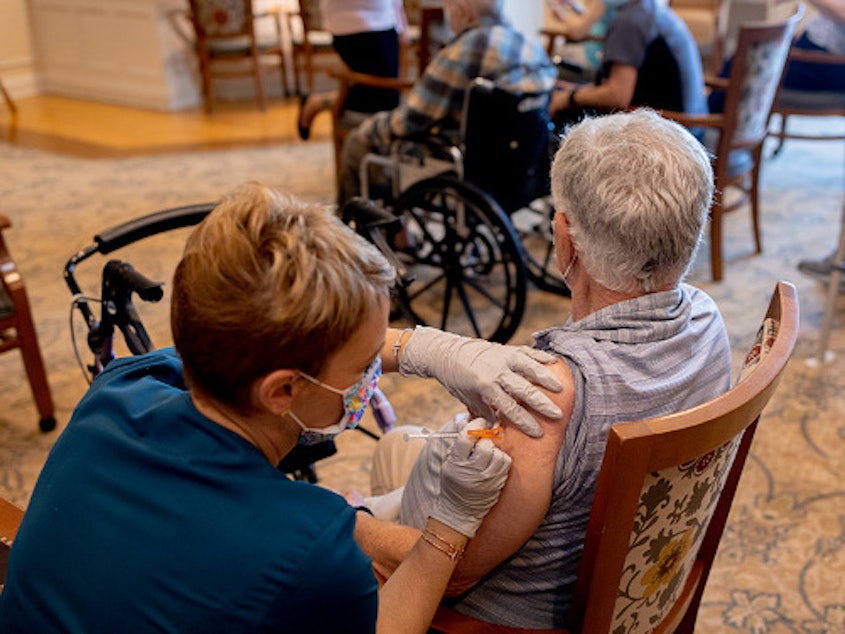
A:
(675, 508)
(763, 60)
(223, 18)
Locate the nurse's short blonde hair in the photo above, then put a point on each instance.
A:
(266, 282)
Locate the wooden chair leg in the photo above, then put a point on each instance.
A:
(284, 72)
(716, 237)
(32, 359)
(207, 98)
(755, 199)
(780, 134)
(309, 72)
(259, 86)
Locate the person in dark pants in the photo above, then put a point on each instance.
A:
(365, 33)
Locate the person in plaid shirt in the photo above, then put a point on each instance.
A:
(486, 45)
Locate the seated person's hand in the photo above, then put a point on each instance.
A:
(492, 379)
(470, 482)
(560, 99)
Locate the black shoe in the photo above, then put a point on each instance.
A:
(304, 131)
(821, 270)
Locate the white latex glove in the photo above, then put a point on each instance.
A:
(470, 481)
(487, 377)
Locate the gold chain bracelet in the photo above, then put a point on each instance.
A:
(447, 548)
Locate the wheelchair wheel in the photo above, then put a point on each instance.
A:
(464, 258)
(533, 225)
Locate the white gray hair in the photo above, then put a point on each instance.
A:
(636, 191)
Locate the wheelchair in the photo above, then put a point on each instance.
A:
(121, 283)
(474, 224)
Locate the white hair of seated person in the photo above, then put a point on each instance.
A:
(636, 190)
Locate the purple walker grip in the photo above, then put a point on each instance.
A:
(382, 411)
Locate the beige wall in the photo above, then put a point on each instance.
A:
(16, 61)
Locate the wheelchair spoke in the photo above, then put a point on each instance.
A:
(483, 291)
(462, 295)
(423, 289)
(447, 302)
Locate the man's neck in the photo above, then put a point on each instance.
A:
(593, 297)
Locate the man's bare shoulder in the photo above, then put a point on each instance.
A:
(553, 429)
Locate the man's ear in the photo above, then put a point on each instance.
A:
(275, 390)
(562, 241)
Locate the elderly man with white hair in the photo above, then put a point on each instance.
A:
(631, 193)
(485, 45)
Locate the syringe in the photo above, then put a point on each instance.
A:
(494, 433)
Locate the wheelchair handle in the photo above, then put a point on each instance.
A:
(366, 214)
(123, 275)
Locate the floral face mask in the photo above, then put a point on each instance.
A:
(355, 400)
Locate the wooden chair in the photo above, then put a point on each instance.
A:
(18, 331)
(807, 103)
(311, 45)
(736, 135)
(228, 44)
(10, 519)
(662, 500)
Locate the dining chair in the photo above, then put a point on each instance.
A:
(17, 331)
(736, 135)
(311, 46)
(662, 499)
(229, 43)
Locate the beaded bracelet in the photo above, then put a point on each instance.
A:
(447, 548)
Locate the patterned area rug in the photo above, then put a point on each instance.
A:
(782, 559)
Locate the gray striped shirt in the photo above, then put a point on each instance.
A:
(644, 357)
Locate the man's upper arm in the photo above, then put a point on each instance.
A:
(525, 499)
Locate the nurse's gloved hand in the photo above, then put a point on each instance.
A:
(489, 378)
(471, 479)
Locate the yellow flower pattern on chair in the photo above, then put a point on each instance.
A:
(671, 556)
(674, 510)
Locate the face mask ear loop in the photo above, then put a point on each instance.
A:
(569, 268)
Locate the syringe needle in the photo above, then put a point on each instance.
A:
(493, 433)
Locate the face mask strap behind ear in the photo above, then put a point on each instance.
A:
(569, 268)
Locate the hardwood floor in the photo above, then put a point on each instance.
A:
(98, 130)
